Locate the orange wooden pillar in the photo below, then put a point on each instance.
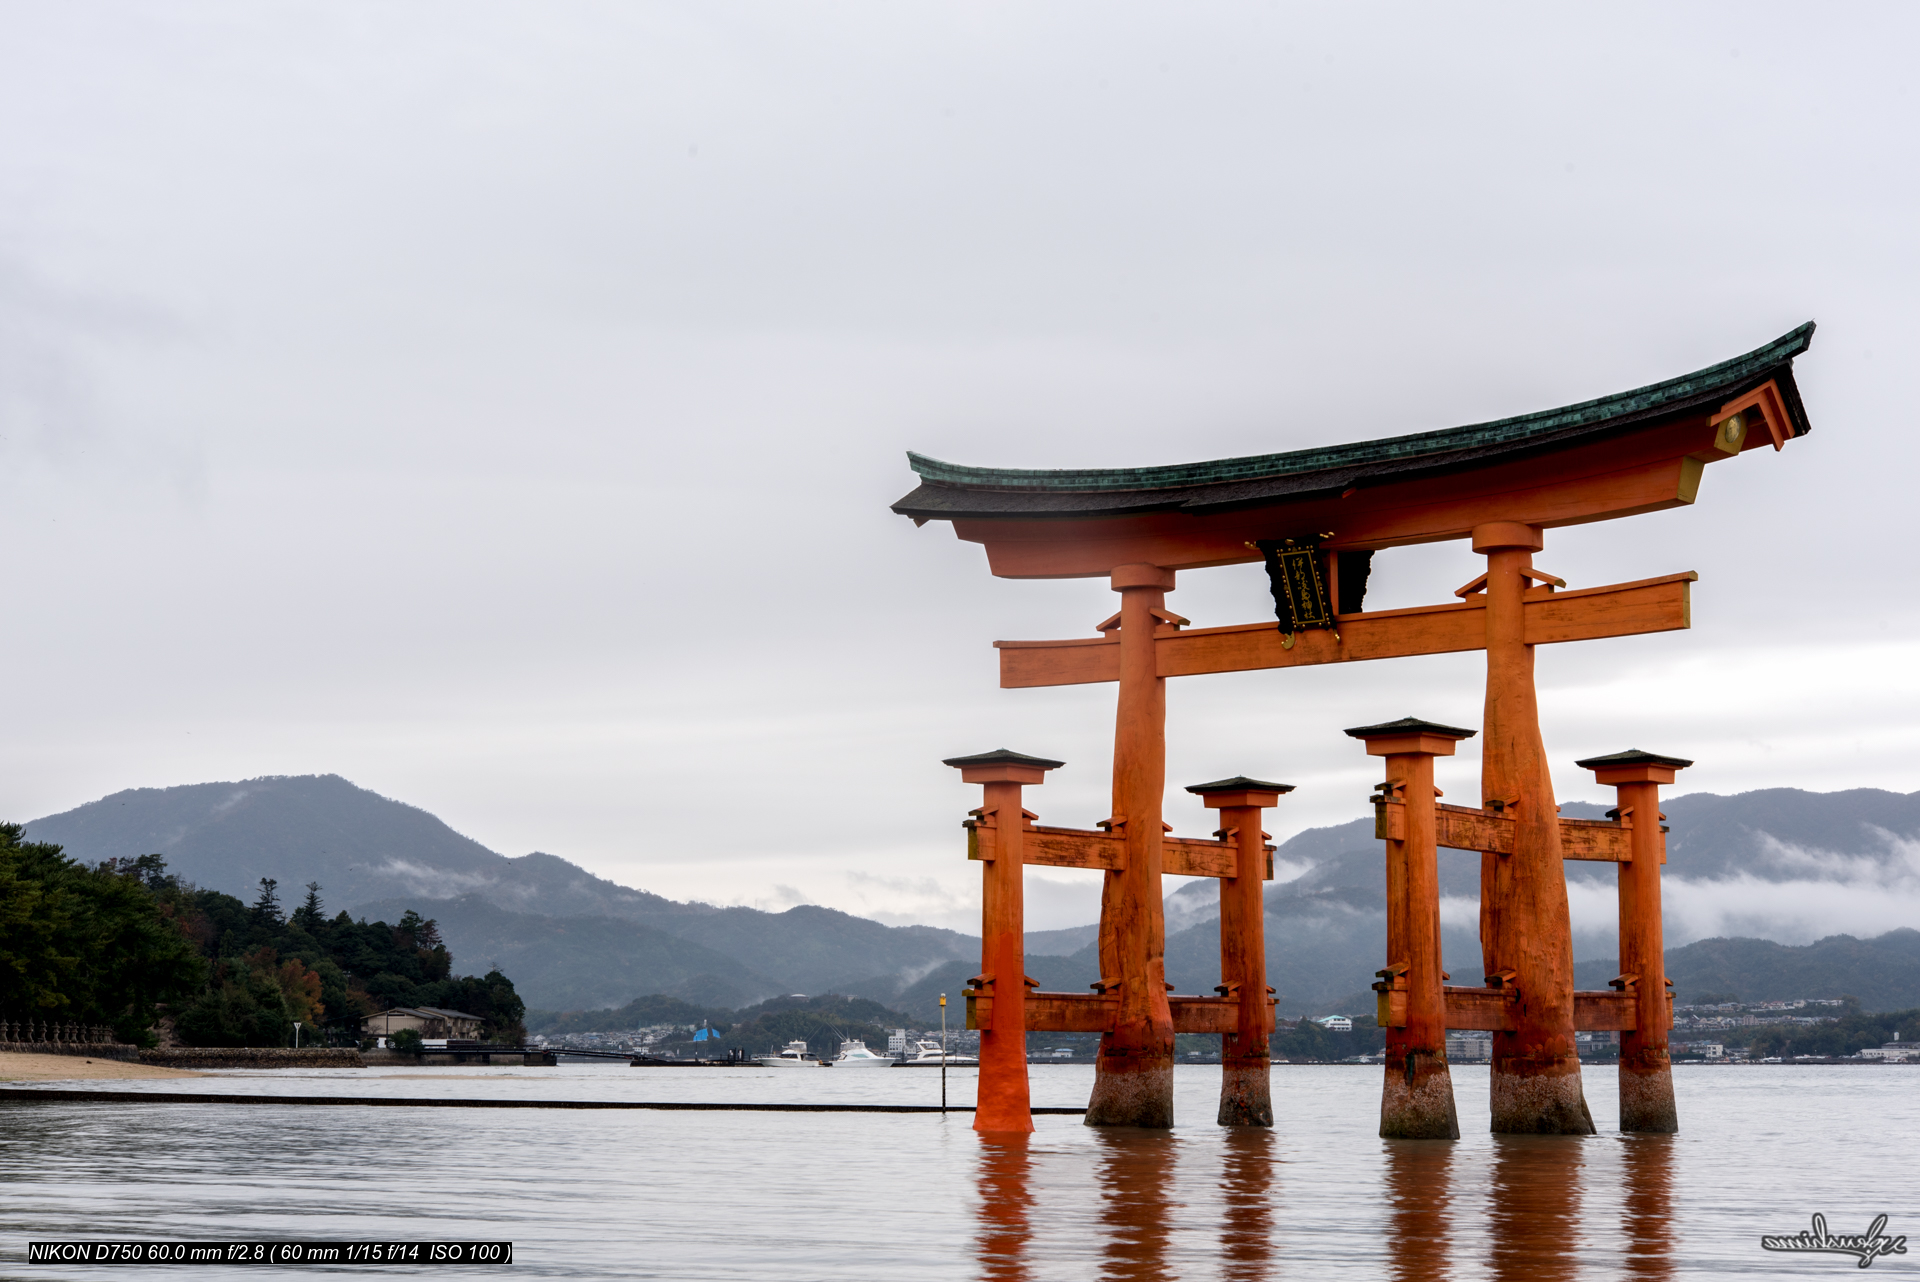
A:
(1133, 1077)
(1416, 1099)
(1526, 935)
(1246, 1097)
(1646, 1074)
(1004, 1103)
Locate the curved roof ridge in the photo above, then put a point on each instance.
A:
(1498, 432)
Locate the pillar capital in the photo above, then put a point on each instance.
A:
(1239, 791)
(1633, 766)
(1410, 735)
(1002, 765)
(1496, 536)
(1140, 575)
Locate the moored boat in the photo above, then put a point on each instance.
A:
(929, 1055)
(795, 1055)
(854, 1054)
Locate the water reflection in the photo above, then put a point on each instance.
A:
(1137, 1170)
(1419, 1184)
(1004, 1202)
(1647, 1170)
(1246, 1194)
(1534, 1208)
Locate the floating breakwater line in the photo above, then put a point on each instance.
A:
(53, 1095)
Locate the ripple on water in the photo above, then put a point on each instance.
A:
(711, 1195)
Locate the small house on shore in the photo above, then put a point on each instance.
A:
(428, 1021)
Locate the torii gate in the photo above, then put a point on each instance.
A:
(1316, 517)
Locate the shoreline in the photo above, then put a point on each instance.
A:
(37, 1066)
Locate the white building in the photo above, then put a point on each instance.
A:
(1469, 1046)
(1335, 1023)
(1893, 1052)
(431, 1022)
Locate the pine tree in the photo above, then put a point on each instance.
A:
(309, 915)
(266, 909)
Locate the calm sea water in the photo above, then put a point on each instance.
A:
(805, 1196)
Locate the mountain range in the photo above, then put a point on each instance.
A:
(1779, 865)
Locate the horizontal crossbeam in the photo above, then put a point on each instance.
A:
(1464, 828)
(1491, 1009)
(1107, 851)
(1584, 614)
(1096, 1012)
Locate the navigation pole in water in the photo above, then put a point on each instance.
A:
(1316, 518)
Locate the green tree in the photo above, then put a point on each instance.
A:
(266, 909)
(502, 1014)
(309, 916)
(243, 1006)
(87, 944)
(126, 941)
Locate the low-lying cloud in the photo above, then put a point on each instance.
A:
(1794, 894)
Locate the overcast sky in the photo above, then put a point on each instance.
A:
(499, 405)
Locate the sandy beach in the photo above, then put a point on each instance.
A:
(27, 1067)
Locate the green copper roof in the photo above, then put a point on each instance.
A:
(1396, 453)
(1411, 725)
(1003, 757)
(1239, 783)
(1632, 757)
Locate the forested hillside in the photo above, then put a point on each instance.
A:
(1779, 865)
(127, 943)
(1883, 972)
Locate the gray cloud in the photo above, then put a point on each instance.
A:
(512, 400)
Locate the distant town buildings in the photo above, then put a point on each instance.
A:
(1799, 1010)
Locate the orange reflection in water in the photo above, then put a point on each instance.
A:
(1647, 1215)
(1136, 1171)
(1246, 1193)
(1005, 1200)
(1534, 1207)
(1531, 1233)
(1419, 1185)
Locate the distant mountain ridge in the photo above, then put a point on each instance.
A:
(575, 941)
(298, 828)
(1883, 972)
(567, 937)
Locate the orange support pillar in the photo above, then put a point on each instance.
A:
(1526, 934)
(1133, 1078)
(1646, 1074)
(1004, 1102)
(1245, 1095)
(1416, 1099)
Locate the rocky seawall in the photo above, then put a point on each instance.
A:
(251, 1057)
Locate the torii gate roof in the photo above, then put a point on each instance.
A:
(1636, 451)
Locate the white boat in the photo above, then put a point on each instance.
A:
(854, 1054)
(796, 1055)
(929, 1055)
